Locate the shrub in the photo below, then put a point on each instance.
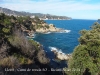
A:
(3, 50)
(23, 59)
(6, 30)
(42, 57)
(36, 45)
(47, 26)
(87, 53)
(10, 61)
(18, 40)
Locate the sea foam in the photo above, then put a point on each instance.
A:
(65, 31)
(59, 54)
(47, 33)
(62, 31)
(56, 49)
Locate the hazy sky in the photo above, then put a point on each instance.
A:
(77, 9)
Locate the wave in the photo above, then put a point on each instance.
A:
(47, 33)
(53, 48)
(65, 31)
(62, 31)
(56, 49)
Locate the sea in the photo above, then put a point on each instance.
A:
(64, 42)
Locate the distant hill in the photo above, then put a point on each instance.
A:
(40, 15)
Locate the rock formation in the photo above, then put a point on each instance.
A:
(48, 28)
(61, 56)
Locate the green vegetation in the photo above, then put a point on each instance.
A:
(87, 53)
(22, 60)
(15, 48)
(11, 62)
(36, 45)
(47, 26)
(38, 26)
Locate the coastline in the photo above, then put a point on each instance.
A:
(51, 29)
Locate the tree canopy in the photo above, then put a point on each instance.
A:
(87, 53)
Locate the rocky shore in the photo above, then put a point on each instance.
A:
(50, 28)
(46, 28)
(39, 26)
(60, 55)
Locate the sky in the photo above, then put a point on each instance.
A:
(76, 9)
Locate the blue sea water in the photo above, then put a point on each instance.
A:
(66, 42)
